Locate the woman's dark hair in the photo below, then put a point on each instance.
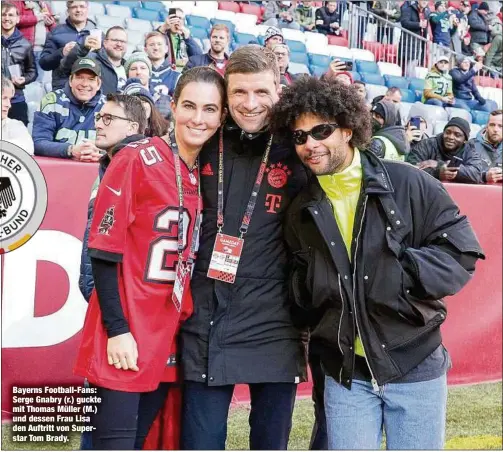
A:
(157, 125)
(203, 74)
(330, 100)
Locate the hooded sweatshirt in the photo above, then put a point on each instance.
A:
(390, 142)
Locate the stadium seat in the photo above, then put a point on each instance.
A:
(197, 32)
(439, 127)
(390, 53)
(373, 79)
(474, 130)
(298, 68)
(248, 19)
(318, 71)
(431, 113)
(33, 92)
(106, 22)
(147, 14)
(261, 29)
(374, 91)
(186, 7)
(156, 24)
(32, 108)
(338, 41)
(416, 84)
(129, 4)
(485, 81)
(316, 59)
(245, 28)
(244, 38)
(223, 14)
(206, 8)
(230, 25)
(367, 66)
(135, 37)
(198, 21)
(96, 8)
(229, 6)
(139, 25)
(399, 82)
(118, 11)
(251, 9)
(458, 113)
(499, 83)
(480, 117)
(408, 95)
(296, 46)
(404, 108)
(356, 75)
(361, 54)
(376, 48)
(315, 40)
(389, 69)
(299, 57)
(155, 6)
(293, 35)
(494, 94)
(339, 52)
(421, 72)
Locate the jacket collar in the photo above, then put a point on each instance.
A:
(226, 56)
(88, 26)
(231, 125)
(103, 57)
(15, 36)
(375, 178)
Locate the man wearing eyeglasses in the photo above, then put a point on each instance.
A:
(64, 126)
(376, 245)
(110, 56)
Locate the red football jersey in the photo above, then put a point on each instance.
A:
(135, 223)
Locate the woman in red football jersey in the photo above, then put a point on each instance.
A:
(142, 243)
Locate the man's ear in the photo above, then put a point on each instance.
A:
(347, 134)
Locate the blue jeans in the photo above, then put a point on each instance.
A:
(206, 408)
(474, 104)
(412, 415)
(438, 103)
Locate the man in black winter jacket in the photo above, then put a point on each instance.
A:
(375, 246)
(17, 52)
(328, 19)
(478, 27)
(110, 57)
(449, 156)
(241, 331)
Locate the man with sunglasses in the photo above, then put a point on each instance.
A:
(64, 126)
(375, 245)
(110, 57)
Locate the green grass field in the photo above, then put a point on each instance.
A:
(474, 421)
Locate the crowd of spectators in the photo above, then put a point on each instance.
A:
(87, 64)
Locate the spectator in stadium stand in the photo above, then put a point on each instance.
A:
(328, 19)
(367, 238)
(17, 54)
(216, 57)
(337, 71)
(110, 57)
(36, 21)
(443, 24)
(305, 15)
(393, 94)
(449, 156)
(438, 85)
(241, 331)
(13, 131)
(164, 78)
(64, 126)
(462, 27)
(360, 88)
(465, 90)
(415, 135)
(389, 141)
(138, 65)
(414, 17)
(280, 14)
(494, 56)
(181, 45)
(479, 30)
(63, 39)
(282, 53)
(157, 125)
(389, 10)
(272, 37)
(489, 144)
(466, 45)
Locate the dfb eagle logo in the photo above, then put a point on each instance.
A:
(7, 195)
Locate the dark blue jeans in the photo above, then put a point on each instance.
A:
(206, 409)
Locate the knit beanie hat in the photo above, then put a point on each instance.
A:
(484, 6)
(379, 109)
(135, 57)
(133, 87)
(460, 123)
(272, 31)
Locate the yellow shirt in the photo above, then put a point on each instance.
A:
(343, 190)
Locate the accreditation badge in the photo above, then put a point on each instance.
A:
(180, 287)
(225, 258)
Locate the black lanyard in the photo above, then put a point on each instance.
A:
(254, 194)
(179, 184)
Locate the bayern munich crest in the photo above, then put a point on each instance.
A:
(277, 175)
(23, 197)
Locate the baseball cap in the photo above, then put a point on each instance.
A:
(442, 58)
(86, 64)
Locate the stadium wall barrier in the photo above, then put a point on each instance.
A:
(43, 310)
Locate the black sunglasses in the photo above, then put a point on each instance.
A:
(319, 133)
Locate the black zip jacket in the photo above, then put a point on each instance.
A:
(243, 332)
(469, 171)
(411, 248)
(327, 18)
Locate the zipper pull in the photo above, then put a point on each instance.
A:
(375, 385)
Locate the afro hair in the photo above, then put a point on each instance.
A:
(330, 100)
